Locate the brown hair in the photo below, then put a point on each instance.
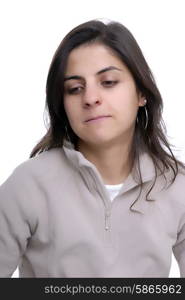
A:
(118, 38)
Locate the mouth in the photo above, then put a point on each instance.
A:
(96, 119)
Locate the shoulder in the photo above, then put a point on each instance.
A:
(175, 190)
(44, 165)
(169, 188)
(43, 160)
(47, 160)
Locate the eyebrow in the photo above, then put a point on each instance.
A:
(98, 73)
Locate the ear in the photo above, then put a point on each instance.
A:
(141, 99)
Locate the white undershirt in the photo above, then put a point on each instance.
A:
(113, 190)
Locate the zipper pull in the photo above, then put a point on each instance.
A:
(107, 217)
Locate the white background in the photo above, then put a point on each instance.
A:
(30, 32)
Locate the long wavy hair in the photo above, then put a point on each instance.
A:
(120, 40)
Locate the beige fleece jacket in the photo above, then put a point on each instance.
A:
(57, 220)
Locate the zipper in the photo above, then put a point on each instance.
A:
(107, 205)
(107, 219)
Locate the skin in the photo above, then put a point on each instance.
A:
(105, 142)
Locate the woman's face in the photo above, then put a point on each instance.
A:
(100, 97)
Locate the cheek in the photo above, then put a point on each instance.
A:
(126, 110)
(126, 105)
(72, 113)
(68, 109)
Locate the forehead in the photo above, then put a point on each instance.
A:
(92, 58)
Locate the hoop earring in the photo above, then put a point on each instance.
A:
(146, 116)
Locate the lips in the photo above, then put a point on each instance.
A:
(96, 118)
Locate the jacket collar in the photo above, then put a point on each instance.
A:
(147, 171)
(146, 164)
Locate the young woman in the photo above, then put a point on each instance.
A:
(102, 194)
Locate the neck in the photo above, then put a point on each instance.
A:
(114, 162)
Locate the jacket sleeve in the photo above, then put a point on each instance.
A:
(179, 248)
(15, 224)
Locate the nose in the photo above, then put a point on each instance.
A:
(91, 97)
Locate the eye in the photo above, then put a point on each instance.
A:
(109, 83)
(75, 90)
